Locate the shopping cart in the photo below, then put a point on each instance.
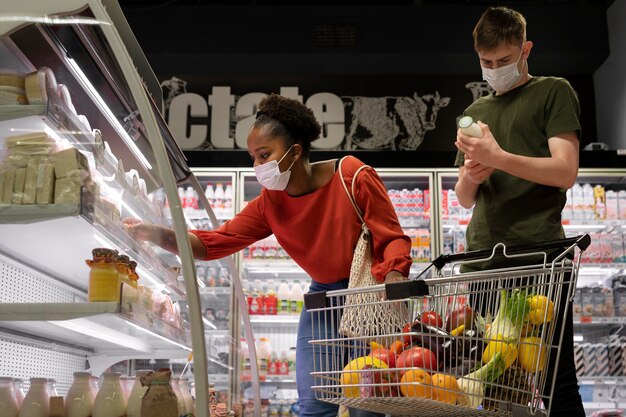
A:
(475, 343)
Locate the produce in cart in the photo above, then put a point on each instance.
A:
(473, 385)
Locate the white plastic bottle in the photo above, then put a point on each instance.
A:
(136, 394)
(284, 296)
(110, 401)
(181, 197)
(79, 398)
(209, 192)
(291, 360)
(245, 357)
(296, 299)
(219, 200)
(8, 402)
(191, 199)
(228, 200)
(264, 352)
(37, 401)
(469, 127)
(185, 391)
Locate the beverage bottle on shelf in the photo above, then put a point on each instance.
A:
(191, 199)
(588, 202)
(296, 298)
(181, 196)
(136, 394)
(51, 386)
(57, 409)
(283, 295)
(272, 365)
(283, 364)
(18, 388)
(228, 200)
(209, 192)
(110, 401)
(271, 301)
(79, 398)
(291, 360)
(264, 351)
(185, 391)
(256, 305)
(245, 357)
(37, 401)
(271, 246)
(8, 402)
(219, 199)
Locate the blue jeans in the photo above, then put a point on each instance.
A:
(309, 405)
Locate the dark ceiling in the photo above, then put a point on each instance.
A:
(356, 37)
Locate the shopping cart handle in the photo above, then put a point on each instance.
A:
(582, 242)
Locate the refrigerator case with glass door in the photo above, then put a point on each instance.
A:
(82, 146)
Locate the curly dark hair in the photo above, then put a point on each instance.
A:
(290, 119)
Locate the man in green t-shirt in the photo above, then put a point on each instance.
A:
(517, 174)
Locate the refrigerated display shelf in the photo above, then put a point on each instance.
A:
(59, 245)
(102, 326)
(592, 320)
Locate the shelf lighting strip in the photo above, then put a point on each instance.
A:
(97, 331)
(158, 336)
(107, 112)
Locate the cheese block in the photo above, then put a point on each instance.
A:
(29, 144)
(45, 183)
(67, 190)
(68, 161)
(30, 181)
(12, 95)
(11, 79)
(18, 186)
(37, 85)
(7, 191)
(2, 175)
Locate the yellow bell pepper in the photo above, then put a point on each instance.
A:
(541, 309)
(508, 350)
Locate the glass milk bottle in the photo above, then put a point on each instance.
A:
(37, 401)
(51, 386)
(136, 394)
(8, 402)
(18, 388)
(79, 399)
(185, 391)
(110, 400)
(182, 408)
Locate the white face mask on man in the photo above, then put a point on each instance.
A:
(504, 78)
(269, 175)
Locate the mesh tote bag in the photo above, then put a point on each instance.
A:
(366, 314)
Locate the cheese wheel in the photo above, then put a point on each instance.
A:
(37, 85)
(66, 98)
(11, 78)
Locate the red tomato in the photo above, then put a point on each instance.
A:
(431, 318)
(417, 357)
(385, 355)
(406, 338)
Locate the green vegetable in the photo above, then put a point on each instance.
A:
(473, 385)
(511, 316)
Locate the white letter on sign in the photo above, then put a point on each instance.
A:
(328, 110)
(221, 101)
(246, 106)
(181, 107)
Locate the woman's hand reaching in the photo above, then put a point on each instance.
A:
(141, 231)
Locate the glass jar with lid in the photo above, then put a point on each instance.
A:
(132, 274)
(123, 268)
(103, 277)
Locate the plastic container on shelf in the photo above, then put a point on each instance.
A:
(37, 401)
(283, 364)
(110, 401)
(264, 353)
(219, 199)
(228, 200)
(270, 303)
(245, 357)
(79, 398)
(283, 295)
(272, 364)
(291, 359)
(133, 408)
(8, 402)
(296, 298)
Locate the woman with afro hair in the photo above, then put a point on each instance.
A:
(305, 206)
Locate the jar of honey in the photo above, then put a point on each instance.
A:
(132, 274)
(123, 268)
(104, 283)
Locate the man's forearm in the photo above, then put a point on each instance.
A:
(465, 191)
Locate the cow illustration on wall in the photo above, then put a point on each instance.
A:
(390, 123)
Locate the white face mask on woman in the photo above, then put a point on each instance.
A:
(269, 175)
(504, 78)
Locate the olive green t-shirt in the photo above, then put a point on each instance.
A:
(509, 209)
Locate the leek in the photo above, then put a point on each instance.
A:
(509, 320)
(473, 385)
